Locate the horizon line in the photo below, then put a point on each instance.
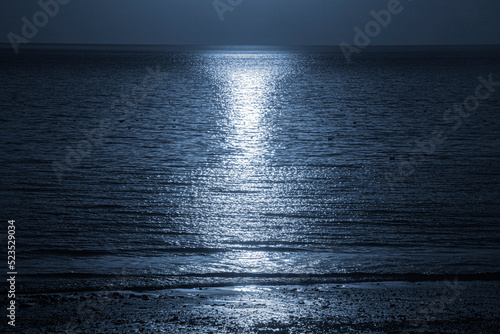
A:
(157, 47)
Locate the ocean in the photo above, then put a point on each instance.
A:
(197, 166)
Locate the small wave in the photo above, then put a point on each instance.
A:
(85, 282)
(361, 276)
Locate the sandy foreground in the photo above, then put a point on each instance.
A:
(385, 307)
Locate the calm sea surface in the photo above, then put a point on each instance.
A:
(229, 166)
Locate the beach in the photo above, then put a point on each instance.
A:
(376, 307)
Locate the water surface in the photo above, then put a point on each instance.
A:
(246, 164)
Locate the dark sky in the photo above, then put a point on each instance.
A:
(325, 22)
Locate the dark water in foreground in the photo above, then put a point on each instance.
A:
(240, 165)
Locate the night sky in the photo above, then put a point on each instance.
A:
(290, 22)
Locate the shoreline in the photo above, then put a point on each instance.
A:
(375, 307)
(67, 283)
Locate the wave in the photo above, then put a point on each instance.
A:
(83, 282)
(157, 250)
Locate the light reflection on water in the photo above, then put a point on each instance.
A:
(296, 168)
(249, 161)
(246, 190)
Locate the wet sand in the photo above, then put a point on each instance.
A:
(385, 307)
